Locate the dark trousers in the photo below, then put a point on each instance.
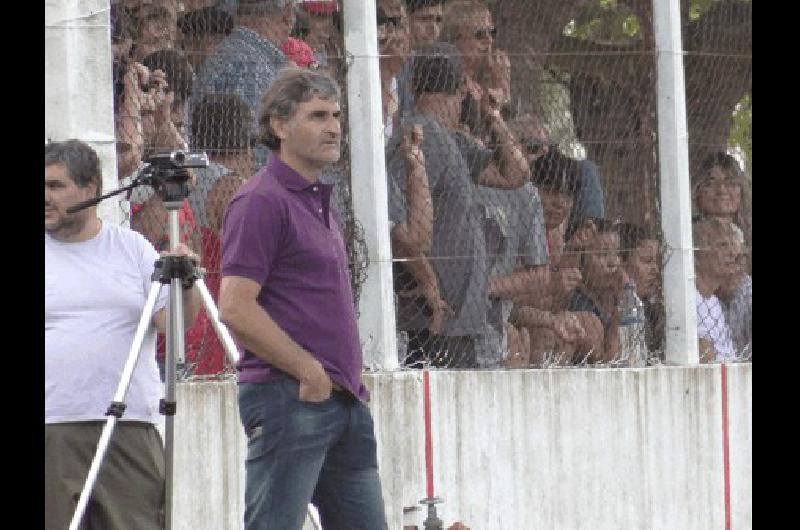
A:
(129, 491)
(300, 453)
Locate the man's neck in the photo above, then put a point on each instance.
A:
(310, 172)
(430, 108)
(87, 231)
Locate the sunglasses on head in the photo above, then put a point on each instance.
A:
(486, 32)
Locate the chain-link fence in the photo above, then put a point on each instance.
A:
(521, 156)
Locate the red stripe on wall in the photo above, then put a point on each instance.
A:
(726, 448)
(426, 403)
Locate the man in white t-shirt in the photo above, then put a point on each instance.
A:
(97, 278)
(714, 260)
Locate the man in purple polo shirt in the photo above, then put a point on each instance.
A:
(286, 295)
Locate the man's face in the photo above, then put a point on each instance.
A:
(393, 39)
(313, 135)
(718, 258)
(158, 30)
(475, 40)
(557, 207)
(602, 262)
(61, 192)
(718, 195)
(642, 267)
(425, 25)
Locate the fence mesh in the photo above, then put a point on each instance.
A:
(521, 151)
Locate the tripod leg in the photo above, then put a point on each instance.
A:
(117, 406)
(213, 314)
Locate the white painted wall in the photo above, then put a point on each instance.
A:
(78, 89)
(550, 449)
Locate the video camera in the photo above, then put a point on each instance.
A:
(178, 160)
(168, 172)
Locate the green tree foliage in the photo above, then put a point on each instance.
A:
(741, 137)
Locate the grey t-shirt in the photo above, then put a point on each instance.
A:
(458, 249)
(513, 222)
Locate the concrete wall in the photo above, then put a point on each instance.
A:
(550, 449)
(78, 85)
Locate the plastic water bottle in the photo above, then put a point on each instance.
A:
(631, 327)
(630, 307)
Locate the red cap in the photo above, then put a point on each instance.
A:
(320, 6)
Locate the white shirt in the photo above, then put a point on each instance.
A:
(95, 291)
(712, 326)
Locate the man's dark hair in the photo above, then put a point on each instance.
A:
(221, 123)
(631, 236)
(414, 5)
(81, 161)
(556, 172)
(178, 69)
(207, 21)
(291, 87)
(438, 67)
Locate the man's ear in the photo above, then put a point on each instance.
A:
(279, 127)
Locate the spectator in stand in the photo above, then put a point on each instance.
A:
(163, 130)
(458, 247)
(720, 190)
(246, 61)
(642, 264)
(128, 92)
(323, 35)
(201, 32)
(516, 247)
(552, 329)
(425, 27)
(596, 300)
(222, 129)
(167, 129)
(393, 44)
(715, 259)
(640, 260)
(589, 202)
(736, 295)
(425, 21)
(157, 28)
(468, 25)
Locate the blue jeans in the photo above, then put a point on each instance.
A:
(299, 452)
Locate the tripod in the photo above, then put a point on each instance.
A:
(179, 272)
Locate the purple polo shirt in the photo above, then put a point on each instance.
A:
(278, 231)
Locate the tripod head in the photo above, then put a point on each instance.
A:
(167, 173)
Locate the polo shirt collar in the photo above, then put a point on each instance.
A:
(288, 177)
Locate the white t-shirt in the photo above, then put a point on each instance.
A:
(712, 326)
(94, 295)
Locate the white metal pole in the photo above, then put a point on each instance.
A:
(78, 84)
(368, 170)
(676, 204)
